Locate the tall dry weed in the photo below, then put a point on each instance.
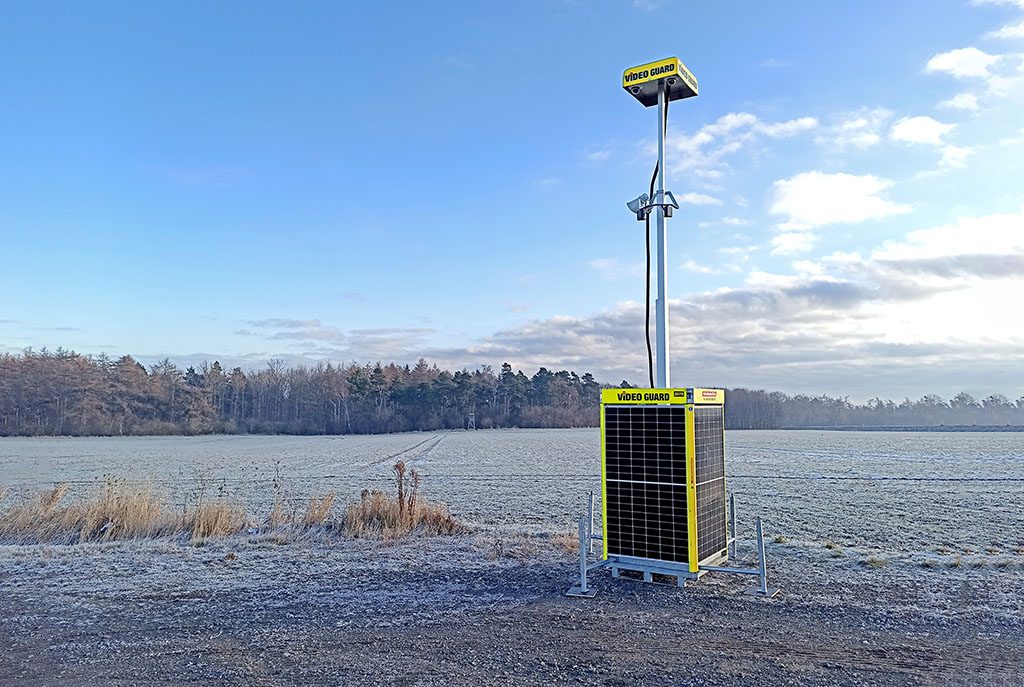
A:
(319, 510)
(216, 518)
(122, 509)
(377, 514)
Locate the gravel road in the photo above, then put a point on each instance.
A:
(489, 610)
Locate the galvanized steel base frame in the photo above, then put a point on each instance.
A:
(650, 567)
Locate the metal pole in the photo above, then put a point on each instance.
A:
(590, 530)
(583, 558)
(732, 526)
(762, 560)
(661, 304)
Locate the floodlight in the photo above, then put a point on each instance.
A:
(639, 207)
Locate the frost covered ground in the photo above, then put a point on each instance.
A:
(901, 558)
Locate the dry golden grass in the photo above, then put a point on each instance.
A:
(319, 510)
(567, 540)
(121, 510)
(279, 514)
(215, 518)
(127, 510)
(377, 514)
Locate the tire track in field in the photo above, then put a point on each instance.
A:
(404, 454)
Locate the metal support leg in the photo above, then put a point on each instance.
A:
(582, 589)
(732, 526)
(590, 529)
(762, 589)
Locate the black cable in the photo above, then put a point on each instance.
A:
(647, 290)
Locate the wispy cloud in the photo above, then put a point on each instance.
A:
(697, 199)
(705, 153)
(860, 129)
(612, 269)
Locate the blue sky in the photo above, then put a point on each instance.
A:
(345, 181)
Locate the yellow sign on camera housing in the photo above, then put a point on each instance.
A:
(642, 82)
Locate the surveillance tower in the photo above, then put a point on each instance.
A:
(658, 83)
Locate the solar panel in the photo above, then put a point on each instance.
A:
(709, 452)
(645, 473)
(663, 453)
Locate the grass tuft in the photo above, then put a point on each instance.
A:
(122, 510)
(377, 514)
(569, 541)
(216, 518)
(319, 510)
(875, 562)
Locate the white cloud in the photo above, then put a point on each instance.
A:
(697, 199)
(861, 129)
(775, 63)
(963, 63)
(790, 242)
(928, 131)
(742, 252)
(816, 199)
(996, 235)
(962, 101)
(694, 266)
(912, 316)
(597, 155)
(1013, 140)
(920, 130)
(1010, 31)
(1010, 3)
(735, 221)
(788, 128)
(955, 156)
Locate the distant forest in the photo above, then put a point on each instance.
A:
(60, 392)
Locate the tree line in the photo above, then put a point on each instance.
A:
(64, 393)
(758, 409)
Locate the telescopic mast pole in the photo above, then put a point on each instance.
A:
(661, 304)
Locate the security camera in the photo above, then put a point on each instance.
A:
(668, 202)
(638, 206)
(635, 90)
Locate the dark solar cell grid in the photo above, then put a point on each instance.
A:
(647, 521)
(709, 442)
(709, 450)
(645, 444)
(711, 521)
(645, 471)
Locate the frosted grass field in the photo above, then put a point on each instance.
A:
(900, 557)
(898, 493)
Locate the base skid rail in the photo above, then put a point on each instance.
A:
(650, 571)
(668, 572)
